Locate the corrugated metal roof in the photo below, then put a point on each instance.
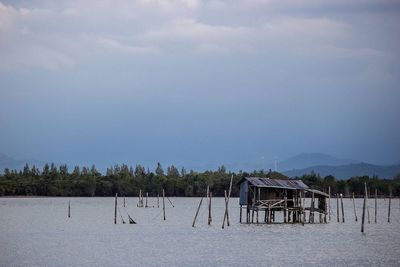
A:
(317, 192)
(276, 183)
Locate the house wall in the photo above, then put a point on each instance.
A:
(268, 193)
(244, 190)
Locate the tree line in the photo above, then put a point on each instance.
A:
(125, 180)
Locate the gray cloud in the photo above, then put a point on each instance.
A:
(62, 35)
(259, 77)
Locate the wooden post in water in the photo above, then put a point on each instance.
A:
(226, 215)
(226, 207)
(354, 207)
(158, 200)
(163, 202)
(320, 214)
(147, 196)
(329, 202)
(124, 201)
(304, 207)
(337, 207)
(115, 209)
(363, 211)
(312, 208)
(207, 194)
(390, 200)
(240, 218)
(285, 210)
(197, 212)
(69, 209)
(369, 221)
(341, 202)
(270, 214)
(301, 209)
(140, 194)
(257, 215)
(265, 215)
(209, 209)
(376, 204)
(229, 197)
(247, 214)
(252, 207)
(170, 202)
(258, 195)
(297, 212)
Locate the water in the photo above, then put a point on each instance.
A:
(37, 232)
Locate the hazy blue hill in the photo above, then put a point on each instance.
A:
(305, 160)
(5, 158)
(11, 163)
(300, 161)
(347, 171)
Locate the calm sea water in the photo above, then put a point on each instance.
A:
(37, 232)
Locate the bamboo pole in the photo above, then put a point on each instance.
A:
(304, 208)
(147, 196)
(158, 200)
(197, 212)
(226, 207)
(163, 202)
(240, 218)
(247, 214)
(369, 220)
(390, 200)
(320, 215)
(354, 207)
(140, 194)
(341, 201)
(124, 201)
(363, 211)
(170, 202)
(115, 209)
(311, 219)
(226, 215)
(209, 208)
(285, 210)
(229, 197)
(376, 204)
(269, 217)
(329, 202)
(301, 209)
(257, 206)
(337, 207)
(69, 209)
(265, 215)
(257, 215)
(252, 206)
(207, 194)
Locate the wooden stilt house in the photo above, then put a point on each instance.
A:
(281, 200)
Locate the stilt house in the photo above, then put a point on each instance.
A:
(284, 198)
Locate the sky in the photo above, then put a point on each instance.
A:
(190, 82)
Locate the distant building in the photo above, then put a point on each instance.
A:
(281, 200)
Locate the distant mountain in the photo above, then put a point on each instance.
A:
(298, 165)
(17, 164)
(349, 170)
(299, 161)
(305, 160)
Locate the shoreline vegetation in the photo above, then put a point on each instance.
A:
(58, 181)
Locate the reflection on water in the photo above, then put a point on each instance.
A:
(37, 232)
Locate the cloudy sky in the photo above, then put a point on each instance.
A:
(196, 82)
